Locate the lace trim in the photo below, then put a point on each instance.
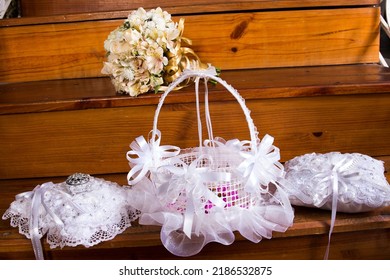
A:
(105, 213)
(99, 234)
(368, 190)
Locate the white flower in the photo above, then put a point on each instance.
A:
(132, 36)
(155, 59)
(128, 74)
(138, 51)
(133, 89)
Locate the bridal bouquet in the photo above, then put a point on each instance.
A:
(145, 53)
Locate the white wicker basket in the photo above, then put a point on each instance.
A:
(203, 194)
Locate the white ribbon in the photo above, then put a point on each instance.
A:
(37, 200)
(339, 174)
(220, 148)
(233, 145)
(261, 166)
(285, 201)
(203, 72)
(192, 179)
(207, 109)
(148, 156)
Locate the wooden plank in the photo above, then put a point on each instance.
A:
(310, 228)
(365, 245)
(290, 38)
(76, 94)
(33, 8)
(95, 141)
(145, 244)
(243, 41)
(145, 240)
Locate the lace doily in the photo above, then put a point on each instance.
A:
(84, 210)
(361, 184)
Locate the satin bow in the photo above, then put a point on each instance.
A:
(341, 173)
(191, 179)
(261, 166)
(37, 201)
(148, 156)
(233, 145)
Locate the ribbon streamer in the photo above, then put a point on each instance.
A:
(192, 179)
(180, 59)
(340, 174)
(37, 200)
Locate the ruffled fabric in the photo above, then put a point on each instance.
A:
(202, 198)
(85, 213)
(361, 184)
(206, 193)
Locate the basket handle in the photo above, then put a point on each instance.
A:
(207, 112)
(209, 73)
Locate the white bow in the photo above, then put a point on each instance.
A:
(37, 201)
(189, 180)
(340, 173)
(261, 166)
(148, 156)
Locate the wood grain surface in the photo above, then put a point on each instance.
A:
(77, 94)
(229, 41)
(34, 8)
(355, 236)
(96, 140)
(58, 115)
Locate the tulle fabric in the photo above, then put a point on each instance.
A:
(218, 224)
(362, 185)
(102, 212)
(204, 194)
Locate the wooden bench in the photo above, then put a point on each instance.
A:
(308, 70)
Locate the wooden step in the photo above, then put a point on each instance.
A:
(60, 127)
(310, 231)
(78, 94)
(36, 8)
(238, 39)
(59, 115)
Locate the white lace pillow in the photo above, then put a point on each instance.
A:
(355, 181)
(83, 210)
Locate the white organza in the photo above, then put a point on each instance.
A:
(362, 185)
(204, 194)
(74, 215)
(216, 224)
